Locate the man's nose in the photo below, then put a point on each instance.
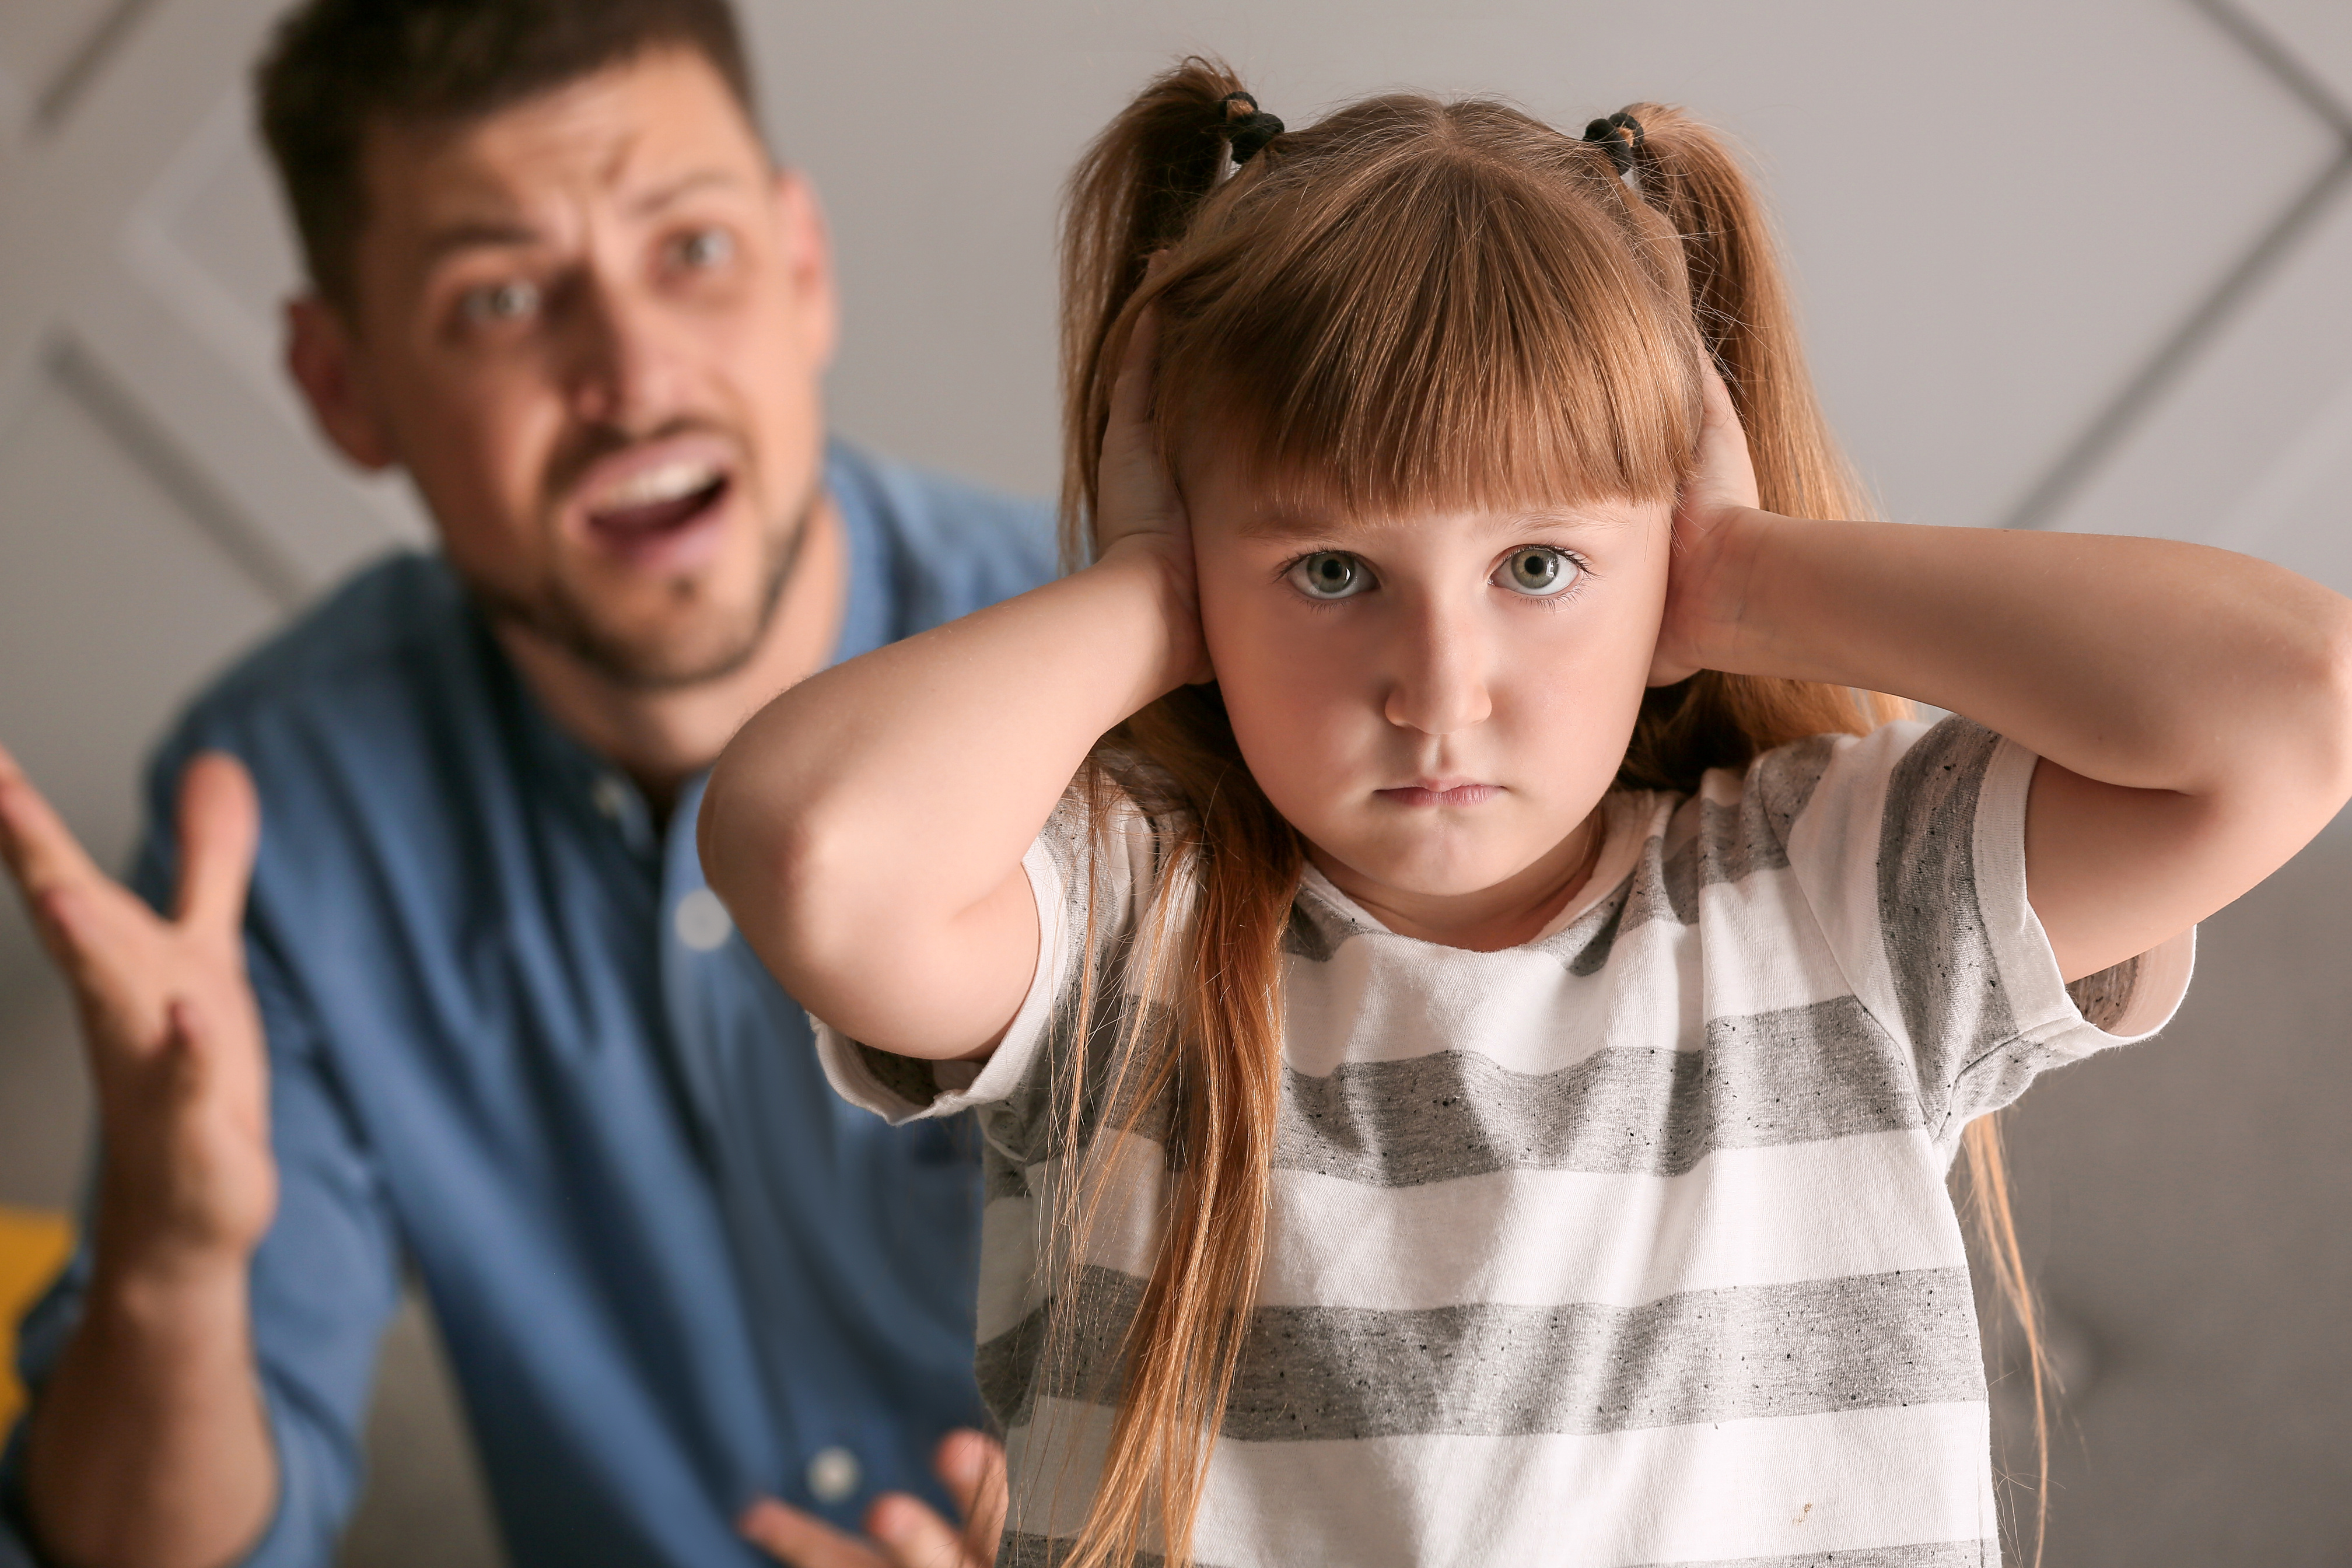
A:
(624, 369)
(1438, 684)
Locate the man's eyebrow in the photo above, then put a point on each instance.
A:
(685, 185)
(484, 234)
(478, 233)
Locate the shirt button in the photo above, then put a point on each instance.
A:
(612, 795)
(702, 922)
(833, 1475)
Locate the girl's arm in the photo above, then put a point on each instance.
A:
(2192, 708)
(867, 828)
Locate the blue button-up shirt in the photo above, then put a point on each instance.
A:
(514, 1042)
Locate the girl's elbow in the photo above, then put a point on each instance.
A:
(2329, 679)
(766, 862)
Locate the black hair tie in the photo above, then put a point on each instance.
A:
(1248, 128)
(1621, 148)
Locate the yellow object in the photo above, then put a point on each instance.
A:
(33, 1247)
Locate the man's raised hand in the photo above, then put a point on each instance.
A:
(169, 1020)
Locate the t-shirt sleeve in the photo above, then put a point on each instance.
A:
(1091, 889)
(1909, 844)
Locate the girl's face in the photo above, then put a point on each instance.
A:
(1436, 701)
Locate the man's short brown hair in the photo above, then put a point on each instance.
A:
(336, 70)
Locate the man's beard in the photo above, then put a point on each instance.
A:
(656, 661)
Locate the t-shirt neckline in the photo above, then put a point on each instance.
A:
(1624, 817)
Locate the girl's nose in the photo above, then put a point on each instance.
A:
(1439, 684)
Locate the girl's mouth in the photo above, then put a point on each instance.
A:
(1441, 791)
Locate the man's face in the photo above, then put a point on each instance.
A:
(591, 328)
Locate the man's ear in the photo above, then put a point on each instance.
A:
(325, 364)
(807, 246)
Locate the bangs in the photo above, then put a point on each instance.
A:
(1430, 328)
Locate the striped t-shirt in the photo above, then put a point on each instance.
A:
(1627, 1245)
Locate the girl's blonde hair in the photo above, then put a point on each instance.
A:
(1413, 304)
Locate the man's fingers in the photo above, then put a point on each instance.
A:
(916, 1536)
(220, 823)
(972, 1464)
(802, 1540)
(41, 850)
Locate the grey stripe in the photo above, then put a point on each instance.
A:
(1946, 981)
(1003, 1178)
(1019, 1550)
(1869, 1341)
(1781, 784)
(2102, 998)
(1586, 943)
(1730, 844)
(1656, 1111)
(1926, 1554)
(1008, 1366)
(1031, 1124)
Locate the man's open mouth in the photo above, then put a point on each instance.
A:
(655, 503)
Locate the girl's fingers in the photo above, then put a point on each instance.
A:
(1130, 394)
(220, 823)
(972, 1466)
(1726, 472)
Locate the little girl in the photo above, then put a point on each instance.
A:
(1469, 1007)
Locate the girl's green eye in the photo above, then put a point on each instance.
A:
(1330, 574)
(1538, 571)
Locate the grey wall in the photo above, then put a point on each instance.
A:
(2065, 263)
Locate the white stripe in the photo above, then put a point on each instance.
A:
(1871, 1204)
(1373, 1001)
(1020, 1236)
(1763, 950)
(1840, 1482)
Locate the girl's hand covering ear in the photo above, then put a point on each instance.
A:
(1713, 517)
(1138, 511)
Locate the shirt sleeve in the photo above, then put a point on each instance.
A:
(325, 1280)
(1093, 892)
(1910, 846)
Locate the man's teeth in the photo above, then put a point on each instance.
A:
(651, 487)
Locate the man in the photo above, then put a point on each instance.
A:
(496, 1025)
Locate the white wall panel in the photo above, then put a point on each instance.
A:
(39, 42)
(114, 605)
(1994, 210)
(2251, 448)
(2316, 33)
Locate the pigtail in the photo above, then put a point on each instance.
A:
(1740, 302)
(1133, 196)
